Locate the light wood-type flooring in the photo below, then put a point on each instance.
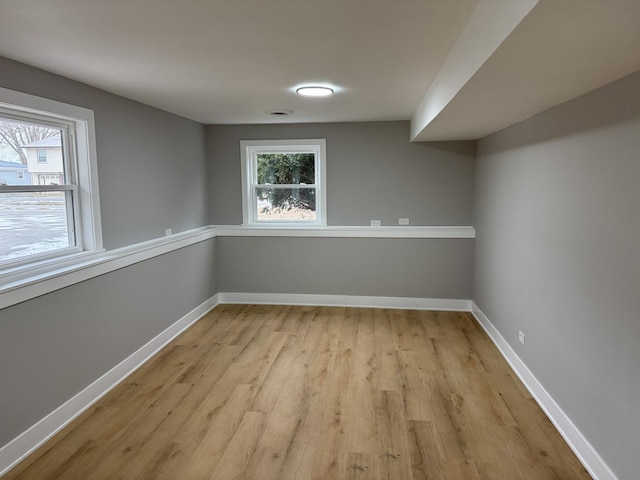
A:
(281, 392)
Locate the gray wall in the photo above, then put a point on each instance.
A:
(388, 267)
(557, 239)
(373, 172)
(153, 175)
(54, 346)
(151, 164)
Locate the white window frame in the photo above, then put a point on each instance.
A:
(249, 149)
(79, 125)
(20, 174)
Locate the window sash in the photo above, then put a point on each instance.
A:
(67, 138)
(69, 186)
(74, 240)
(255, 152)
(280, 186)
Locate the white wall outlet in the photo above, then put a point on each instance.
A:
(168, 232)
(521, 337)
(375, 223)
(403, 221)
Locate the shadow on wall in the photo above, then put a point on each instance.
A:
(596, 111)
(456, 147)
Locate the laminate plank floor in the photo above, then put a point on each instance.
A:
(289, 392)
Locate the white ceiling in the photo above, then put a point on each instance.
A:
(560, 50)
(457, 68)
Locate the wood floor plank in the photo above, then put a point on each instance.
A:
(201, 459)
(127, 456)
(283, 426)
(394, 459)
(236, 457)
(288, 392)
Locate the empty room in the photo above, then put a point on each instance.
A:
(347, 239)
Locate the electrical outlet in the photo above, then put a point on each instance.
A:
(375, 223)
(168, 232)
(403, 221)
(521, 337)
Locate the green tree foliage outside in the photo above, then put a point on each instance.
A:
(287, 169)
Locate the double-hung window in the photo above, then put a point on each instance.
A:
(283, 182)
(56, 213)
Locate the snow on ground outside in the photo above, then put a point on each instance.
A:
(31, 223)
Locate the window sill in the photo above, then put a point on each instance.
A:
(23, 284)
(343, 231)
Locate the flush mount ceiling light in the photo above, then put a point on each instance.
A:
(315, 91)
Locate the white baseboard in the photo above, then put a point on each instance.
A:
(585, 452)
(346, 301)
(28, 441)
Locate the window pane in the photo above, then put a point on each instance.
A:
(286, 168)
(30, 154)
(33, 223)
(286, 204)
(42, 155)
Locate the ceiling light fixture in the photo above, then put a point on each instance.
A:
(315, 91)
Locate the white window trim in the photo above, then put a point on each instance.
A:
(248, 150)
(86, 162)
